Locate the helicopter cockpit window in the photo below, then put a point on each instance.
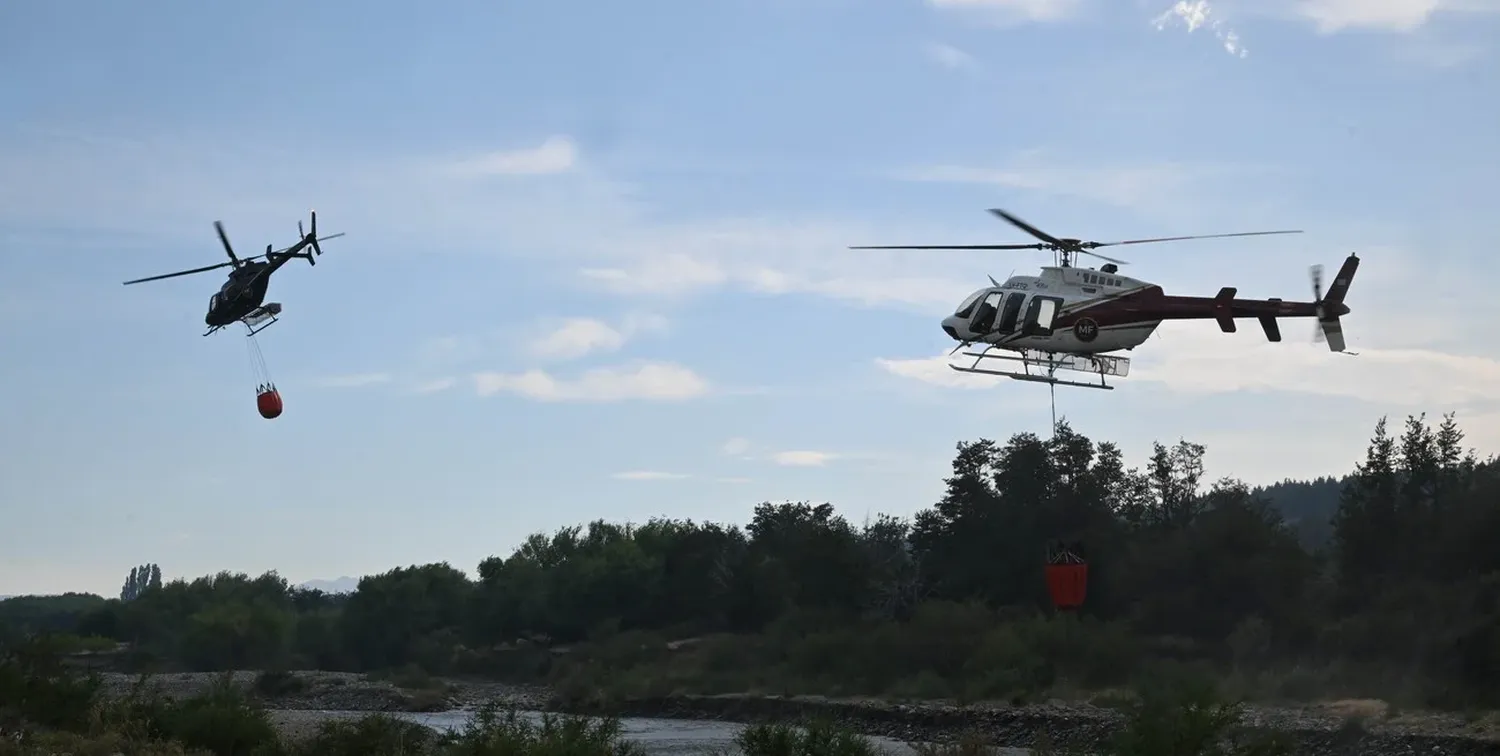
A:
(967, 306)
(213, 301)
(1040, 316)
(1046, 313)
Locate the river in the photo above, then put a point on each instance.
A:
(672, 736)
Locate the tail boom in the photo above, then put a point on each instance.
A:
(1152, 304)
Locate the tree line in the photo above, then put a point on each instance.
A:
(1398, 587)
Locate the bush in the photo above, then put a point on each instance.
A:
(37, 689)
(818, 738)
(372, 735)
(1185, 717)
(503, 732)
(225, 720)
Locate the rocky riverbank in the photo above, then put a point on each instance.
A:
(301, 699)
(335, 691)
(1349, 727)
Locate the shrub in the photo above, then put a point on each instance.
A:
(818, 738)
(225, 720)
(1184, 716)
(36, 688)
(503, 732)
(372, 735)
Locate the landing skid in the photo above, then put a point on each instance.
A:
(258, 320)
(1048, 363)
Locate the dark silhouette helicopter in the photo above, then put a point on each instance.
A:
(242, 297)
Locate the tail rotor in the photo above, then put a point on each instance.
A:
(1329, 308)
(311, 236)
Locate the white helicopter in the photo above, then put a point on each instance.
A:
(1069, 318)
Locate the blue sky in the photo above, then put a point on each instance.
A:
(595, 261)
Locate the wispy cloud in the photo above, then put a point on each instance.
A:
(736, 447)
(1208, 362)
(435, 386)
(1012, 11)
(1402, 16)
(1196, 15)
(803, 458)
(582, 219)
(934, 371)
(1192, 359)
(558, 154)
(1138, 186)
(950, 57)
(733, 480)
(649, 475)
(646, 382)
(355, 380)
(577, 337)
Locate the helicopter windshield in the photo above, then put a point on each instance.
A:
(213, 302)
(967, 306)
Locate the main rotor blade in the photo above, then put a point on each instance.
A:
(1027, 227)
(1102, 257)
(224, 239)
(1093, 245)
(180, 273)
(964, 246)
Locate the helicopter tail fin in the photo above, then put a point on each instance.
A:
(1330, 307)
(311, 238)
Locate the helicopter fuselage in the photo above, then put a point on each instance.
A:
(241, 294)
(1084, 311)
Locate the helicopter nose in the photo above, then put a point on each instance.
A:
(950, 327)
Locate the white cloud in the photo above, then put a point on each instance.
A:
(355, 380)
(558, 154)
(1009, 11)
(1141, 186)
(1196, 15)
(577, 337)
(1337, 16)
(664, 274)
(648, 382)
(648, 475)
(769, 258)
(803, 458)
(951, 57)
(935, 371)
(736, 447)
(1331, 16)
(1198, 358)
(1203, 360)
(406, 200)
(436, 386)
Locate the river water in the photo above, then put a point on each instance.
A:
(673, 736)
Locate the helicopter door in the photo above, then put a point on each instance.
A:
(1041, 314)
(1010, 312)
(984, 315)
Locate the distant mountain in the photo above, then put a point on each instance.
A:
(344, 584)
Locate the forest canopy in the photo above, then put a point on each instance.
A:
(1386, 582)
